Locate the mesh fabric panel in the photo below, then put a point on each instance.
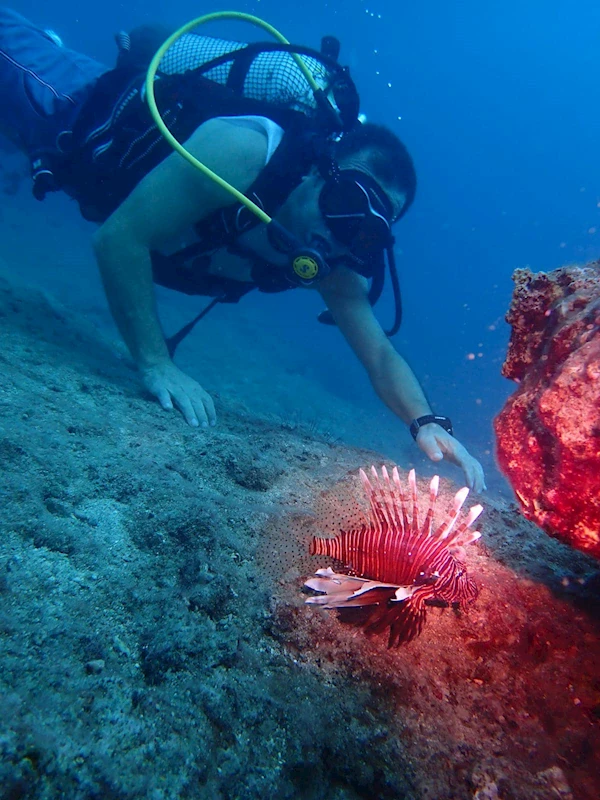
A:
(273, 77)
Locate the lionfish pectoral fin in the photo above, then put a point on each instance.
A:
(331, 585)
(371, 586)
(327, 580)
(347, 590)
(326, 573)
(402, 593)
(404, 620)
(409, 626)
(336, 587)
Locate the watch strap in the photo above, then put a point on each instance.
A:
(443, 422)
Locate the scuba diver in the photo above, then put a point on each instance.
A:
(275, 184)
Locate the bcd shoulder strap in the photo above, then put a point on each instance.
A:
(115, 141)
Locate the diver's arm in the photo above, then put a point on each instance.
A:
(166, 203)
(346, 296)
(126, 272)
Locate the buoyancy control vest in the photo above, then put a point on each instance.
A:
(115, 142)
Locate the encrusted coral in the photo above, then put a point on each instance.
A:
(548, 433)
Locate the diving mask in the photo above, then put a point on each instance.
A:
(357, 212)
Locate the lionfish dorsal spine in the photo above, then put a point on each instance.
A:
(412, 482)
(433, 493)
(365, 481)
(448, 523)
(386, 512)
(389, 501)
(399, 493)
(462, 535)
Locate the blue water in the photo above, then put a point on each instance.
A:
(498, 103)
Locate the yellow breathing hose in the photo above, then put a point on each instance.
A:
(175, 144)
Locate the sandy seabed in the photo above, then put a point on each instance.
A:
(146, 652)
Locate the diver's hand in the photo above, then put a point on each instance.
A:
(437, 444)
(172, 387)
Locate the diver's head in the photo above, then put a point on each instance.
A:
(377, 151)
(346, 206)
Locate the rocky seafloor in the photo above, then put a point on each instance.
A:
(146, 651)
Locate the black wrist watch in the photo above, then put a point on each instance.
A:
(418, 423)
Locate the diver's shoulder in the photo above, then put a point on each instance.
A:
(235, 153)
(222, 134)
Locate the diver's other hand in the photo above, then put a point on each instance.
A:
(173, 388)
(437, 444)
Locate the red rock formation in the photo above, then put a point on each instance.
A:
(548, 433)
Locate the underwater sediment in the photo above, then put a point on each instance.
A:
(155, 637)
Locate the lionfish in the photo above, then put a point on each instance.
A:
(393, 566)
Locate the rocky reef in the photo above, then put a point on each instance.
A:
(548, 433)
(155, 637)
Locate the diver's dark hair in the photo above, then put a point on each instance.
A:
(388, 157)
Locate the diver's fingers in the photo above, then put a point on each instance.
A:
(437, 443)
(193, 413)
(164, 398)
(209, 408)
(172, 387)
(473, 471)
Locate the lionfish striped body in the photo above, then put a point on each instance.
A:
(394, 566)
